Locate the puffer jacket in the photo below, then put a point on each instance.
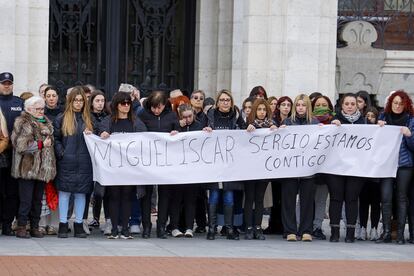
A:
(74, 165)
(31, 161)
(167, 121)
(405, 158)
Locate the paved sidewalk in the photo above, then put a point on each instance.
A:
(194, 266)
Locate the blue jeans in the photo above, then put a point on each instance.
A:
(228, 198)
(135, 212)
(79, 207)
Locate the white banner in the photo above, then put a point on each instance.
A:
(228, 155)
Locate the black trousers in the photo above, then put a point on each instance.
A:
(30, 207)
(183, 196)
(254, 192)
(120, 201)
(201, 206)
(343, 188)
(370, 196)
(306, 189)
(402, 184)
(146, 206)
(164, 203)
(9, 197)
(97, 206)
(275, 220)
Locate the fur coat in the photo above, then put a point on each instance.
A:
(28, 162)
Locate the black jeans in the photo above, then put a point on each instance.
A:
(183, 196)
(254, 192)
(120, 200)
(306, 189)
(30, 207)
(9, 197)
(402, 183)
(343, 188)
(370, 195)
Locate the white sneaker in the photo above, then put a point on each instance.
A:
(107, 227)
(374, 234)
(188, 233)
(363, 234)
(86, 227)
(358, 232)
(176, 233)
(134, 229)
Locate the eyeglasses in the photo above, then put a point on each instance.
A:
(198, 98)
(224, 100)
(398, 103)
(78, 100)
(125, 103)
(39, 109)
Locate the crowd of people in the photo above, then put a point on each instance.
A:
(46, 169)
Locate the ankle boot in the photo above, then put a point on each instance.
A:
(228, 223)
(258, 233)
(78, 231)
(36, 233)
(146, 231)
(212, 221)
(161, 234)
(22, 233)
(350, 234)
(63, 230)
(400, 234)
(334, 233)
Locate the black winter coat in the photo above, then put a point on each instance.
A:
(167, 121)
(74, 165)
(51, 114)
(196, 125)
(232, 120)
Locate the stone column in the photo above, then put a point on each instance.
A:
(288, 46)
(24, 48)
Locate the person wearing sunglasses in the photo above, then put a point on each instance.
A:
(197, 102)
(122, 120)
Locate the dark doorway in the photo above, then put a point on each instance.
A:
(147, 43)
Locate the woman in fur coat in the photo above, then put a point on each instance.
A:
(33, 164)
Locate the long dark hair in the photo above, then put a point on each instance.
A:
(118, 98)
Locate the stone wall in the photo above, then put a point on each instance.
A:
(24, 26)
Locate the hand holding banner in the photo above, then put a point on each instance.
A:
(148, 158)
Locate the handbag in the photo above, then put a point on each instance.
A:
(52, 197)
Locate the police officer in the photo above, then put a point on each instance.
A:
(11, 106)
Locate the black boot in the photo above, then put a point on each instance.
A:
(63, 230)
(258, 233)
(212, 221)
(334, 233)
(228, 223)
(350, 234)
(146, 231)
(78, 231)
(386, 223)
(161, 234)
(249, 233)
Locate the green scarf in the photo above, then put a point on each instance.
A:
(40, 120)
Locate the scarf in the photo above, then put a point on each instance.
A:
(397, 119)
(40, 120)
(323, 114)
(353, 117)
(266, 123)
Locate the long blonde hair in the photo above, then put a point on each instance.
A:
(3, 125)
(69, 119)
(308, 104)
